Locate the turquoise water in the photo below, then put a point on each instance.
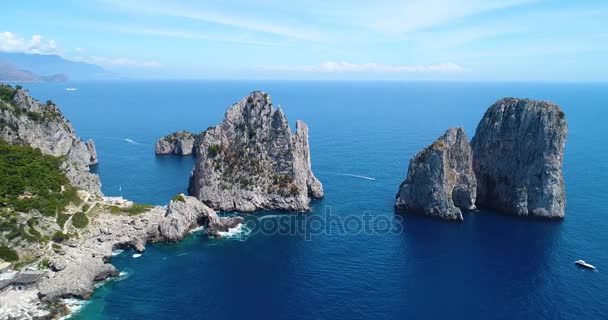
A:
(489, 267)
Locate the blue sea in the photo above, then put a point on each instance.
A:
(362, 135)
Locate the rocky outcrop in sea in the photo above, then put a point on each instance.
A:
(440, 180)
(252, 160)
(513, 165)
(518, 150)
(25, 121)
(178, 143)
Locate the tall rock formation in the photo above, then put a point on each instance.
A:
(440, 180)
(25, 121)
(179, 143)
(252, 160)
(518, 152)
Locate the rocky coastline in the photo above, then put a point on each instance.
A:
(76, 264)
(26, 121)
(72, 249)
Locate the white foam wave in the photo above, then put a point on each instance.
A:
(73, 305)
(131, 141)
(358, 176)
(197, 229)
(122, 275)
(117, 252)
(240, 233)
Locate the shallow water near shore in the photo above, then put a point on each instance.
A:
(362, 135)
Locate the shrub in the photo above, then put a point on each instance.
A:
(133, 210)
(6, 93)
(60, 236)
(62, 218)
(294, 190)
(178, 197)
(8, 254)
(80, 220)
(34, 116)
(137, 208)
(214, 150)
(86, 207)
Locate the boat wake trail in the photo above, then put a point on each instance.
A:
(357, 176)
(132, 141)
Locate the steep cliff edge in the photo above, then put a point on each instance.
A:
(518, 150)
(440, 180)
(25, 121)
(252, 160)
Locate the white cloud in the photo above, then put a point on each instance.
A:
(10, 42)
(401, 17)
(205, 12)
(347, 67)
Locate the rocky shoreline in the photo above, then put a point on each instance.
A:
(76, 265)
(26, 121)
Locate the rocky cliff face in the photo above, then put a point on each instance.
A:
(440, 180)
(518, 153)
(179, 143)
(252, 160)
(79, 263)
(25, 121)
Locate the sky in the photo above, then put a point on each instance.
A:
(448, 40)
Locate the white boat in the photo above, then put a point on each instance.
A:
(137, 255)
(71, 89)
(584, 264)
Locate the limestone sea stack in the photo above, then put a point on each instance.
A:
(178, 143)
(252, 161)
(518, 152)
(25, 121)
(440, 180)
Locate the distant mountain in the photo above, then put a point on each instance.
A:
(10, 73)
(52, 67)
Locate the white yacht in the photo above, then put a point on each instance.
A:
(582, 263)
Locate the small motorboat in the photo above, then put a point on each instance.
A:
(584, 264)
(71, 89)
(137, 255)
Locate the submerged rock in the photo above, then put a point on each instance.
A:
(25, 121)
(252, 160)
(179, 143)
(440, 180)
(518, 153)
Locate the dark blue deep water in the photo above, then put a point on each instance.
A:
(489, 267)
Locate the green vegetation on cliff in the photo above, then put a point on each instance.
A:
(30, 180)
